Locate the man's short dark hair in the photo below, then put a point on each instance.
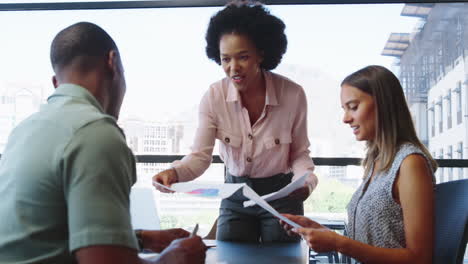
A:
(82, 39)
(254, 21)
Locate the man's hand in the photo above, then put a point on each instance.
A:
(301, 193)
(167, 178)
(184, 251)
(158, 240)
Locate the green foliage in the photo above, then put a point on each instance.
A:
(205, 218)
(330, 196)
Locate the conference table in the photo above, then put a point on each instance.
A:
(246, 253)
(267, 253)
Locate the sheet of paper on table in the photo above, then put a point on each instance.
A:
(149, 256)
(210, 242)
(285, 191)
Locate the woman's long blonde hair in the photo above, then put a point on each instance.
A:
(394, 125)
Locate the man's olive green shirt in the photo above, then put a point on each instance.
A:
(65, 179)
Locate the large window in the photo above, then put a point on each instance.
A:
(460, 156)
(459, 103)
(167, 73)
(441, 115)
(432, 119)
(448, 99)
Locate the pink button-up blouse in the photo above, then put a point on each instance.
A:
(276, 143)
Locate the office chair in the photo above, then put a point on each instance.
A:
(451, 222)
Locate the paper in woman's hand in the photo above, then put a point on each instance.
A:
(226, 190)
(285, 191)
(252, 195)
(204, 189)
(163, 186)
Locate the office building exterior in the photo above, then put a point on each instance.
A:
(16, 103)
(432, 66)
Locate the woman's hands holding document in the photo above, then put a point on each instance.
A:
(158, 240)
(317, 236)
(300, 220)
(167, 178)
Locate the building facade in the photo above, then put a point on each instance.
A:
(165, 138)
(433, 70)
(16, 103)
(152, 138)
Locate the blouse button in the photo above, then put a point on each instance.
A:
(277, 141)
(249, 159)
(227, 140)
(250, 136)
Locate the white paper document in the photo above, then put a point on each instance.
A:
(210, 242)
(163, 186)
(204, 189)
(226, 190)
(285, 191)
(252, 195)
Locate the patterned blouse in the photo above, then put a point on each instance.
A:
(374, 217)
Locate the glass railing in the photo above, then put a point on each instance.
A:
(338, 179)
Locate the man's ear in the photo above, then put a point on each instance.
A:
(54, 81)
(113, 61)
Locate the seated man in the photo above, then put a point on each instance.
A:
(66, 172)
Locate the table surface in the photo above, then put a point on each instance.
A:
(267, 253)
(244, 253)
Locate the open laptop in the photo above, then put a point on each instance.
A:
(143, 209)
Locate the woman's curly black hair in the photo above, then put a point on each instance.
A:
(254, 21)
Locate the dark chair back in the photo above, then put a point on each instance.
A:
(451, 222)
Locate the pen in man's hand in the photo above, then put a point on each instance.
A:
(194, 232)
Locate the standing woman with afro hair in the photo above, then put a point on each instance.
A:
(260, 119)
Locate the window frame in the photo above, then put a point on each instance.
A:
(183, 3)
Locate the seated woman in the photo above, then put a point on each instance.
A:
(390, 216)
